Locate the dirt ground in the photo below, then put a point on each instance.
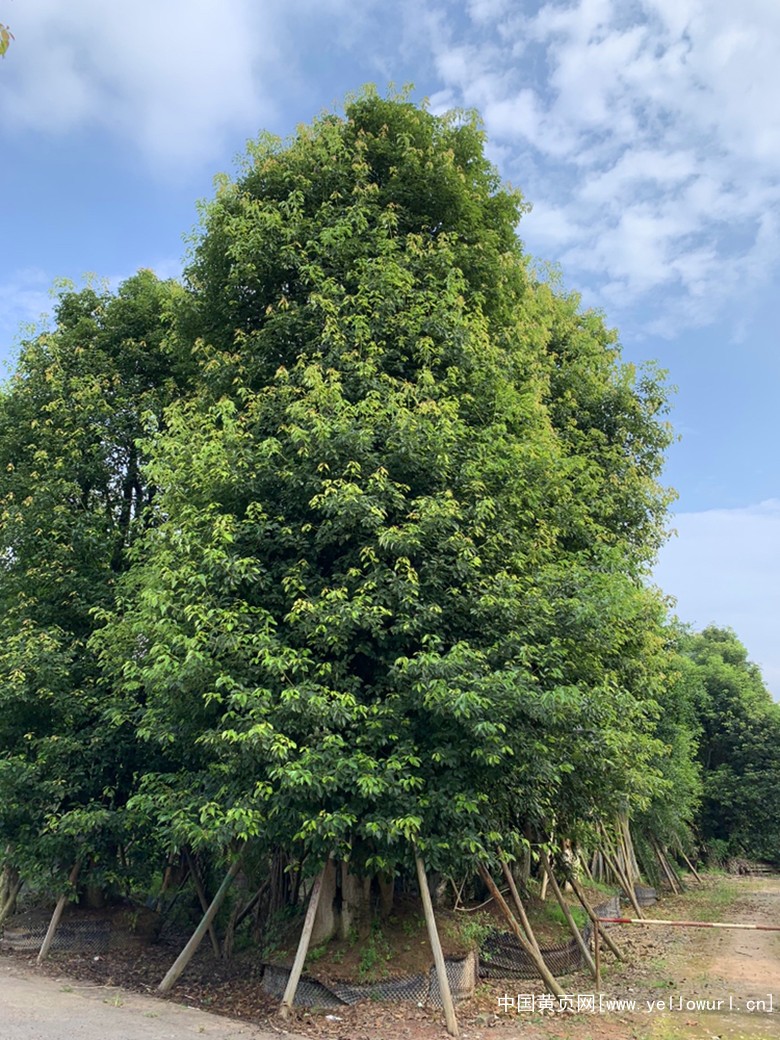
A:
(38, 1007)
(668, 973)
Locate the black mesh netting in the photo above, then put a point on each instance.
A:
(422, 988)
(501, 956)
(90, 936)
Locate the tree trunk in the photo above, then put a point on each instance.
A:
(325, 921)
(9, 905)
(624, 884)
(355, 903)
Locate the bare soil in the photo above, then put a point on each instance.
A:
(663, 964)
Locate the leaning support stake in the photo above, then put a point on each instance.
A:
(691, 867)
(43, 953)
(567, 914)
(536, 958)
(190, 949)
(303, 946)
(438, 956)
(623, 882)
(523, 917)
(597, 925)
(204, 903)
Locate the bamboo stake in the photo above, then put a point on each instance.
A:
(673, 868)
(303, 947)
(692, 924)
(691, 867)
(438, 956)
(594, 919)
(204, 903)
(545, 974)
(665, 867)
(43, 953)
(627, 888)
(597, 954)
(519, 904)
(189, 950)
(567, 914)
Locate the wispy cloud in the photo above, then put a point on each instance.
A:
(172, 78)
(645, 134)
(724, 568)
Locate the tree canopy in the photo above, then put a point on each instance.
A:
(342, 546)
(403, 518)
(73, 496)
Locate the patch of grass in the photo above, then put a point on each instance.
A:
(317, 953)
(374, 956)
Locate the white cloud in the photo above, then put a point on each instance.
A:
(171, 77)
(723, 567)
(648, 129)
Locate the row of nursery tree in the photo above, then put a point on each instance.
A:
(342, 548)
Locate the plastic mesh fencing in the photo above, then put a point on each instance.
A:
(502, 956)
(91, 936)
(421, 989)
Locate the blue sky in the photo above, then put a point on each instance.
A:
(643, 132)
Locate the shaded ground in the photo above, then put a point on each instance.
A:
(37, 1007)
(665, 964)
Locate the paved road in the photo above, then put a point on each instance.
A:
(36, 1007)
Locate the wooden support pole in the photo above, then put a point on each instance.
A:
(190, 949)
(597, 954)
(624, 884)
(526, 924)
(303, 947)
(204, 903)
(438, 956)
(673, 868)
(43, 953)
(692, 924)
(592, 915)
(665, 867)
(691, 867)
(567, 914)
(537, 960)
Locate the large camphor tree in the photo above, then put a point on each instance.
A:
(393, 590)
